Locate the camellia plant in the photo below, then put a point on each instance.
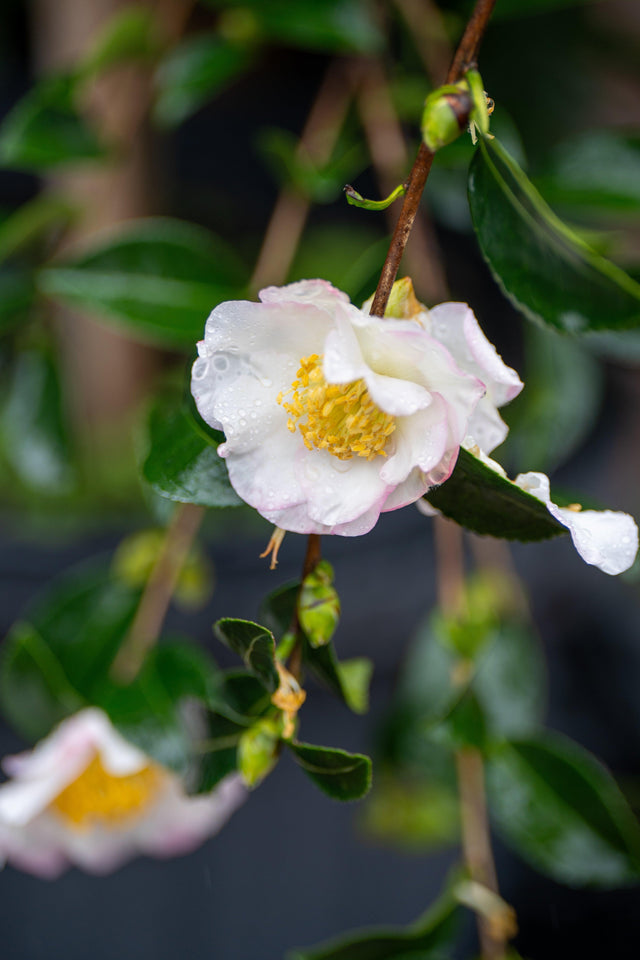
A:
(321, 411)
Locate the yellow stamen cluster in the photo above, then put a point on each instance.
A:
(340, 418)
(98, 796)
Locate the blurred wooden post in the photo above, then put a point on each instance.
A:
(106, 373)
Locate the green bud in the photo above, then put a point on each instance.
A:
(319, 605)
(479, 115)
(446, 115)
(258, 751)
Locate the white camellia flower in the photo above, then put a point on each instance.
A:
(332, 416)
(85, 796)
(604, 538)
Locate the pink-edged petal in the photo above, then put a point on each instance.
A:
(409, 491)
(455, 326)
(420, 441)
(343, 360)
(338, 491)
(486, 426)
(267, 476)
(320, 293)
(604, 538)
(180, 823)
(241, 328)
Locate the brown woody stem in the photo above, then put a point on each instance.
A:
(311, 560)
(464, 58)
(158, 591)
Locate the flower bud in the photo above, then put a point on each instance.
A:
(258, 751)
(319, 605)
(446, 115)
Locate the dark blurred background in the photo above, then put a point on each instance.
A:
(291, 867)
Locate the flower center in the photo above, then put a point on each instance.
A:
(100, 796)
(341, 418)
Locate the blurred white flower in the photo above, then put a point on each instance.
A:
(332, 416)
(603, 538)
(84, 796)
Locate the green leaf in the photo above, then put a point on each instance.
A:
(130, 34)
(33, 426)
(411, 813)
(510, 681)
(17, 293)
(325, 25)
(355, 677)
(349, 680)
(57, 659)
(39, 216)
(429, 938)
(562, 811)
(83, 618)
(35, 693)
(341, 775)
(157, 277)
(553, 414)
(278, 608)
(45, 129)
(549, 274)
(255, 644)
(150, 711)
(480, 499)
(181, 463)
(597, 171)
(240, 697)
(193, 73)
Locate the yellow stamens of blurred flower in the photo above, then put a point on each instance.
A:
(340, 418)
(100, 796)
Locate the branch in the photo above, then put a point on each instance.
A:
(464, 58)
(311, 561)
(158, 591)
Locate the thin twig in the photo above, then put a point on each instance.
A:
(317, 143)
(465, 57)
(474, 821)
(158, 591)
(389, 155)
(311, 560)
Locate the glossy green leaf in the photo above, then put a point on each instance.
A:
(158, 277)
(562, 811)
(255, 644)
(33, 426)
(195, 71)
(546, 270)
(239, 699)
(296, 170)
(341, 775)
(35, 693)
(480, 499)
(46, 130)
(554, 413)
(430, 938)
(596, 172)
(180, 462)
